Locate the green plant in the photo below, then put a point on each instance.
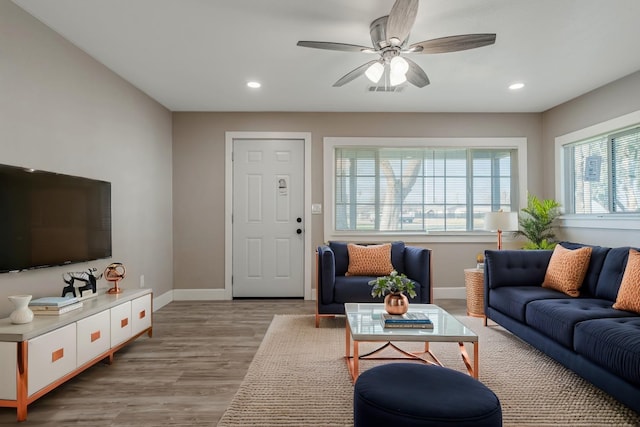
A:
(536, 222)
(393, 283)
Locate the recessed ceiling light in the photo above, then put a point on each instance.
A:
(254, 85)
(516, 86)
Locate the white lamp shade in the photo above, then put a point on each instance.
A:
(504, 221)
(398, 68)
(399, 65)
(374, 72)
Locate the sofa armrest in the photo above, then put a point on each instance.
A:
(326, 274)
(515, 267)
(417, 266)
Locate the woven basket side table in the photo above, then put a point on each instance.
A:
(474, 282)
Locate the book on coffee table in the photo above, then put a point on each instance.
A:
(407, 320)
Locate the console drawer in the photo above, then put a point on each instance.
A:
(120, 323)
(51, 356)
(140, 314)
(9, 357)
(94, 336)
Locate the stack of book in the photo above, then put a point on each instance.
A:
(53, 306)
(407, 320)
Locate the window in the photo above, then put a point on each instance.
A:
(602, 174)
(388, 187)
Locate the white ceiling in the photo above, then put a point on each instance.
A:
(197, 55)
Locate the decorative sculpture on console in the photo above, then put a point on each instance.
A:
(114, 273)
(88, 277)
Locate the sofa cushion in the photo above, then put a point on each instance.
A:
(372, 260)
(612, 272)
(515, 267)
(512, 300)
(353, 289)
(629, 293)
(613, 344)
(598, 255)
(557, 318)
(567, 269)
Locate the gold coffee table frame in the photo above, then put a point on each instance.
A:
(364, 325)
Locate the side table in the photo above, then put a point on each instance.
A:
(474, 282)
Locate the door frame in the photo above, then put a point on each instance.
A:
(305, 137)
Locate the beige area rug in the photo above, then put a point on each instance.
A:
(299, 378)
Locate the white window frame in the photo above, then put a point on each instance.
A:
(617, 221)
(330, 143)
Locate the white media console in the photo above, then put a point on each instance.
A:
(39, 356)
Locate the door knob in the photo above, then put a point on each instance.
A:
(299, 231)
(299, 219)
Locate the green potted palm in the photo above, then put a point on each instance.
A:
(392, 288)
(536, 223)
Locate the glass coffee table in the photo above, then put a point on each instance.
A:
(364, 325)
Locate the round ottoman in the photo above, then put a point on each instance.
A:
(409, 394)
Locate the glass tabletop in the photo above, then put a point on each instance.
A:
(365, 323)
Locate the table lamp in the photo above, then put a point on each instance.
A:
(501, 221)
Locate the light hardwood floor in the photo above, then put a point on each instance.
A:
(185, 375)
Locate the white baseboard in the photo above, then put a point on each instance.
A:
(199, 294)
(220, 295)
(162, 300)
(450, 293)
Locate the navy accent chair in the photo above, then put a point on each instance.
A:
(334, 289)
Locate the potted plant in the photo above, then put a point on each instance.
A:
(536, 223)
(392, 288)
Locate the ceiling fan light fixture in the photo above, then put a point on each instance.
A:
(374, 72)
(396, 79)
(399, 65)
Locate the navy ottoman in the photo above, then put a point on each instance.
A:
(411, 395)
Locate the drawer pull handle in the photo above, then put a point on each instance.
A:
(143, 314)
(95, 336)
(124, 322)
(57, 355)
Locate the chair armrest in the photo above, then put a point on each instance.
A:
(326, 274)
(515, 268)
(417, 266)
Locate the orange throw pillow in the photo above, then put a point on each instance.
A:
(567, 269)
(629, 293)
(373, 260)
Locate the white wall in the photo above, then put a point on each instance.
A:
(62, 111)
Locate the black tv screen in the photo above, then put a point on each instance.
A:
(49, 219)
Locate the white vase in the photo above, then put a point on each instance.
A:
(22, 313)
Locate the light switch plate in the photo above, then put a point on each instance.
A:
(316, 208)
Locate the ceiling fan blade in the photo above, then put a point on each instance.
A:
(354, 74)
(401, 19)
(343, 47)
(453, 43)
(416, 75)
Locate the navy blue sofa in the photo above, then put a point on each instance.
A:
(334, 289)
(585, 333)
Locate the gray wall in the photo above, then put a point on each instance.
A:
(198, 153)
(613, 100)
(62, 111)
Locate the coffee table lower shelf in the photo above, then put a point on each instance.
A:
(426, 356)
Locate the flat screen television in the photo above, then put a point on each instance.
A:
(49, 219)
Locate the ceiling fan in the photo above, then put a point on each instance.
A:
(389, 35)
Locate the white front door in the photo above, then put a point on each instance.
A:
(268, 218)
